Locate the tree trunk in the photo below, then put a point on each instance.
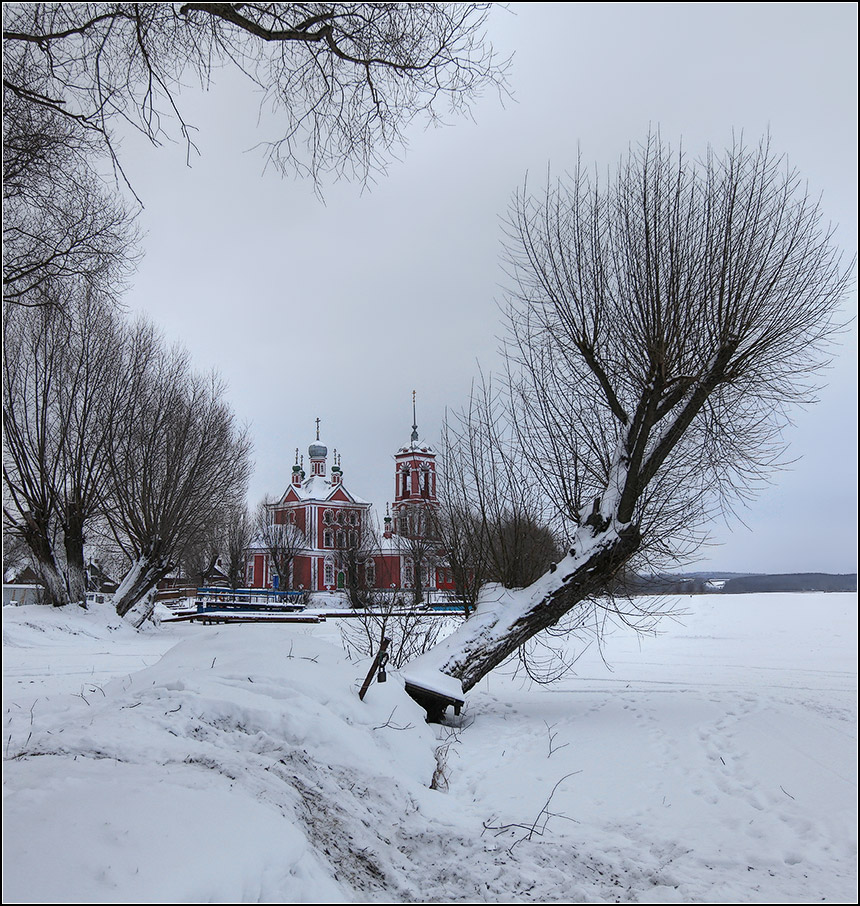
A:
(35, 535)
(55, 586)
(499, 627)
(135, 598)
(73, 541)
(418, 579)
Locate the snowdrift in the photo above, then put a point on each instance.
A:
(235, 769)
(713, 763)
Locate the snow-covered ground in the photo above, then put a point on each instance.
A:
(715, 762)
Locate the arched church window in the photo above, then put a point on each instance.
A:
(328, 516)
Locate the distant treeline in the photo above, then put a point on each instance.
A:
(699, 584)
(792, 582)
(634, 584)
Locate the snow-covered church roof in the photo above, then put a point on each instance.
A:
(320, 489)
(416, 446)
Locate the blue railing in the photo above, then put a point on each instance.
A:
(248, 599)
(246, 593)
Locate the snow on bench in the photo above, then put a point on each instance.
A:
(434, 691)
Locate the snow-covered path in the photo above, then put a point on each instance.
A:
(713, 763)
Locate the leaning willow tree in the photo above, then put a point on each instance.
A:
(661, 328)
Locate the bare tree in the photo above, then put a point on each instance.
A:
(280, 540)
(237, 535)
(661, 329)
(385, 616)
(355, 545)
(200, 555)
(65, 233)
(344, 78)
(495, 520)
(16, 554)
(462, 535)
(457, 519)
(178, 460)
(30, 458)
(61, 393)
(89, 401)
(343, 81)
(420, 547)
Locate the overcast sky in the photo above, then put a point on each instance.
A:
(339, 310)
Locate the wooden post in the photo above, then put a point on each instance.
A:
(373, 668)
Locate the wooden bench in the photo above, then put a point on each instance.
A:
(433, 701)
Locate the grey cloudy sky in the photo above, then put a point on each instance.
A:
(338, 310)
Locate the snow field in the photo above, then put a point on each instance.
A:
(715, 762)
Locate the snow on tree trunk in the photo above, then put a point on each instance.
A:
(135, 598)
(77, 579)
(75, 569)
(53, 581)
(503, 622)
(73, 543)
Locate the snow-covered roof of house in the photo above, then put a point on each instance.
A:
(18, 575)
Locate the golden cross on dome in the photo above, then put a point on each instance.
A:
(318, 429)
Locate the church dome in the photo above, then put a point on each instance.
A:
(317, 451)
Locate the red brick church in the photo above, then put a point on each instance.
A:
(336, 539)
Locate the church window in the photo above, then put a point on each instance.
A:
(370, 573)
(328, 572)
(327, 538)
(327, 517)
